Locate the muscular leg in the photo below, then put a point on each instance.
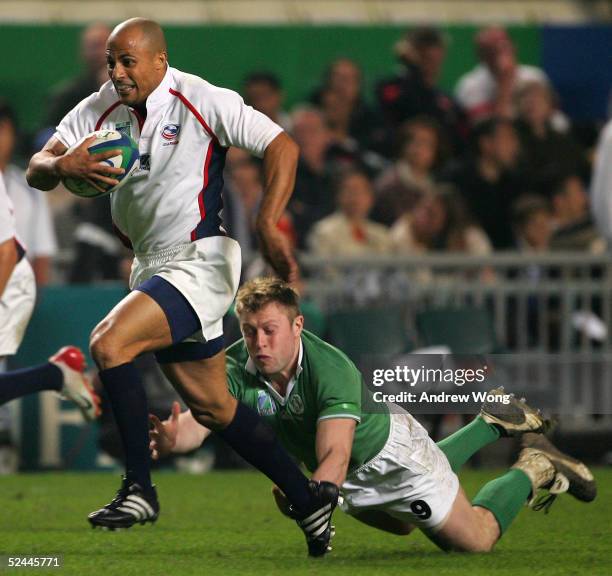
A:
(476, 527)
(18, 383)
(137, 324)
(203, 386)
(467, 529)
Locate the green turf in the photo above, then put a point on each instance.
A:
(226, 524)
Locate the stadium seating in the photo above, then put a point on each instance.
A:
(465, 330)
(371, 332)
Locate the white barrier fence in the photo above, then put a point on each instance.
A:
(551, 313)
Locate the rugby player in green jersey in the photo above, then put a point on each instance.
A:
(392, 475)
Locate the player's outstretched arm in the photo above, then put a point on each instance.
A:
(333, 445)
(279, 168)
(180, 433)
(54, 162)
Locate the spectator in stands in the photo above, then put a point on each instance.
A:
(337, 116)
(533, 223)
(246, 180)
(345, 151)
(547, 150)
(32, 215)
(489, 89)
(415, 92)
(67, 95)
(245, 187)
(439, 222)
(312, 197)
(418, 153)
(264, 92)
(348, 231)
(235, 219)
(342, 88)
(532, 220)
(491, 180)
(574, 228)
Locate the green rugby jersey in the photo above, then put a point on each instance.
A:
(326, 385)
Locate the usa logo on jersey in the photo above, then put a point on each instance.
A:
(170, 133)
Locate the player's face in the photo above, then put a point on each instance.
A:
(135, 69)
(272, 338)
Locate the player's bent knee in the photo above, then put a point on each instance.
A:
(106, 350)
(214, 416)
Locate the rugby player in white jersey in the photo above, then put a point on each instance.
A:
(393, 476)
(64, 371)
(186, 269)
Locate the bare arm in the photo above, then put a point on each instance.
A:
(180, 433)
(279, 168)
(334, 443)
(8, 261)
(52, 163)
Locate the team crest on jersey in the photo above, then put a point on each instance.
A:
(170, 134)
(265, 404)
(124, 128)
(296, 404)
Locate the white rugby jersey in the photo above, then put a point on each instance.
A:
(175, 197)
(7, 218)
(33, 219)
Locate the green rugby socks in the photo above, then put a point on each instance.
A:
(504, 496)
(460, 446)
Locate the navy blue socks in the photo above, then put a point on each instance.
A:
(128, 400)
(256, 442)
(18, 383)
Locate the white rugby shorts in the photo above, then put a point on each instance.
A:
(206, 272)
(409, 479)
(16, 306)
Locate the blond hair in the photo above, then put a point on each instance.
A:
(257, 293)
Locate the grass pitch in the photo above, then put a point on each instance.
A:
(226, 524)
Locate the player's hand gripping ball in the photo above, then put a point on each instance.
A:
(106, 140)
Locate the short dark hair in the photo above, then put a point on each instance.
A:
(526, 206)
(263, 77)
(259, 292)
(404, 135)
(425, 37)
(342, 175)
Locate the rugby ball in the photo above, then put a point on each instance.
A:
(106, 140)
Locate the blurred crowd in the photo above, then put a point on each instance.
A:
(409, 169)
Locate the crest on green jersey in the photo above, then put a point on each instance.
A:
(265, 404)
(296, 404)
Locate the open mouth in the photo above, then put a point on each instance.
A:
(125, 89)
